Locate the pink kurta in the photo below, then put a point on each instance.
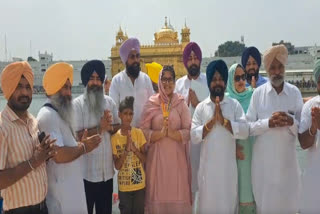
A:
(168, 175)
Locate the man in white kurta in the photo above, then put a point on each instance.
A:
(189, 86)
(65, 171)
(216, 125)
(273, 116)
(309, 137)
(131, 81)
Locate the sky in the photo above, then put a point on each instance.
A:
(86, 29)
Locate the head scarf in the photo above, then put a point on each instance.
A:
(90, 67)
(153, 70)
(251, 51)
(192, 46)
(128, 46)
(11, 76)
(56, 76)
(243, 97)
(219, 66)
(153, 106)
(316, 71)
(278, 52)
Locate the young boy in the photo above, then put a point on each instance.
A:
(128, 155)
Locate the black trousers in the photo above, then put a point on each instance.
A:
(99, 194)
(132, 202)
(34, 209)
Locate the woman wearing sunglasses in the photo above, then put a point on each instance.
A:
(236, 88)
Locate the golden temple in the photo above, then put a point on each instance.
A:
(167, 50)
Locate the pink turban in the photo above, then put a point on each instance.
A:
(11, 76)
(129, 45)
(278, 52)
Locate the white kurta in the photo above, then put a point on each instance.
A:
(218, 167)
(141, 90)
(275, 169)
(182, 87)
(65, 181)
(310, 201)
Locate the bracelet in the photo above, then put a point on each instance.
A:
(84, 148)
(30, 165)
(205, 125)
(311, 133)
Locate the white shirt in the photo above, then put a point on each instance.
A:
(275, 170)
(98, 162)
(182, 87)
(218, 167)
(310, 202)
(184, 83)
(65, 180)
(141, 90)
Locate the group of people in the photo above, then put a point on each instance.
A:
(220, 142)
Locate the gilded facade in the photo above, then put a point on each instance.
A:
(166, 50)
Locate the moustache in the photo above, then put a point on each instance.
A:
(24, 97)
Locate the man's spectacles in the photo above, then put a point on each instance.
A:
(133, 56)
(237, 78)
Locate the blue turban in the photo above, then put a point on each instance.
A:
(316, 71)
(250, 51)
(219, 66)
(90, 67)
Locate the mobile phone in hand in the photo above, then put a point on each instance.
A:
(41, 136)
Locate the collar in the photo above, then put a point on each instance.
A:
(284, 90)
(11, 115)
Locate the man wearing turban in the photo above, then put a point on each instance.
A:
(217, 122)
(251, 61)
(153, 71)
(310, 139)
(98, 114)
(131, 81)
(22, 157)
(188, 86)
(106, 85)
(65, 178)
(274, 115)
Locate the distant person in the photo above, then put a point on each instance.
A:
(309, 137)
(131, 81)
(128, 145)
(106, 85)
(251, 61)
(274, 115)
(23, 176)
(66, 192)
(153, 71)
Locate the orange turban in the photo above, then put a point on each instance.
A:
(11, 76)
(153, 70)
(278, 52)
(56, 76)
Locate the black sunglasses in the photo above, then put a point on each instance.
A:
(237, 78)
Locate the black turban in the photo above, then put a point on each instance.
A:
(219, 66)
(90, 67)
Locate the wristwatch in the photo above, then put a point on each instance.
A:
(225, 122)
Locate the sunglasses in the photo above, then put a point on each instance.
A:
(237, 78)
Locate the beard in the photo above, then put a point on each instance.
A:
(276, 80)
(64, 106)
(194, 70)
(252, 73)
(96, 101)
(217, 91)
(133, 70)
(21, 104)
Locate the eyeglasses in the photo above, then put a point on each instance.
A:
(237, 78)
(167, 80)
(133, 56)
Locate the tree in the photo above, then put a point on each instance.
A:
(230, 48)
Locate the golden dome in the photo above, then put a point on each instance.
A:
(166, 35)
